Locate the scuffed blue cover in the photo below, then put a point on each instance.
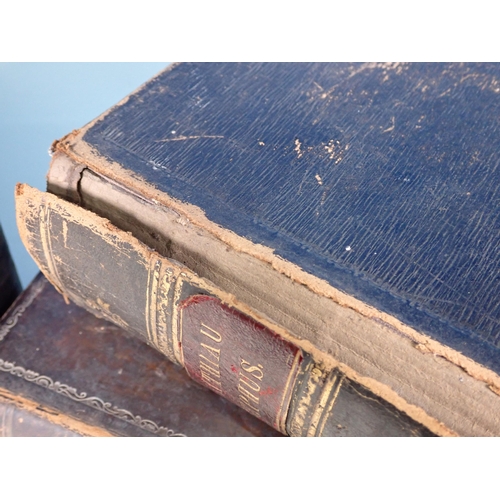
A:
(382, 179)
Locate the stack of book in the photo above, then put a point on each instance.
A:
(64, 372)
(315, 243)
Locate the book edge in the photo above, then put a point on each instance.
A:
(51, 415)
(74, 147)
(415, 412)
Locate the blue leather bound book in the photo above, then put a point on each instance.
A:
(352, 209)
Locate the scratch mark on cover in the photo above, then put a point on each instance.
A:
(191, 137)
(391, 128)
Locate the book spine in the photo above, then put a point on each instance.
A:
(10, 287)
(223, 344)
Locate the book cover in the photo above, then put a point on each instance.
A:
(354, 205)
(64, 372)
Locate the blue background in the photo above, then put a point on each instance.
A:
(39, 103)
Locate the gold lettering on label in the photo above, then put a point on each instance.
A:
(212, 351)
(209, 361)
(246, 404)
(252, 369)
(211, 383)
(249, 389)
(212, 334)
(209, 364)
(250, 383)
(210, 369)
(248, 394)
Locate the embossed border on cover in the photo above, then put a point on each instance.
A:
(92, 401)
(65, 390)
(36, 287)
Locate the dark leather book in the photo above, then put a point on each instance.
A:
(10, 286)
(64, 372)
(222, 343)
(347, 212)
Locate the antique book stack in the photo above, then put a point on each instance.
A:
(317, 243)
(64, 372)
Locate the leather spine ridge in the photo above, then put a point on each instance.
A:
(191, 321)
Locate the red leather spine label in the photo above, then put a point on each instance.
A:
(239, 358)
